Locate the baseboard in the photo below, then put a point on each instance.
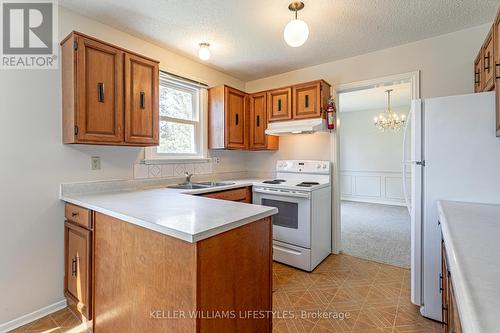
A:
(374, 201)
(28, 318)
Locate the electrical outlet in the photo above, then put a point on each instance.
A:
(216, 160)
(95, 162)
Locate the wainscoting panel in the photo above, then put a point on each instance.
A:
(383, 187)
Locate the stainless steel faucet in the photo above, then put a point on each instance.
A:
(188, 178)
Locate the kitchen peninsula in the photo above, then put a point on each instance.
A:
(160, 259)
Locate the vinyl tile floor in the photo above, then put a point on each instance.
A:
(343, 294)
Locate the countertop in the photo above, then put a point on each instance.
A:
(471, 234)
(175, 212)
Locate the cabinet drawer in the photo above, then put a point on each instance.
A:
(78, 215)
(239, 194)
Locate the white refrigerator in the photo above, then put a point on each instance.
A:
(455, 155)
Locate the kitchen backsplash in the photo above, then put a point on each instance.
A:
(142, 171)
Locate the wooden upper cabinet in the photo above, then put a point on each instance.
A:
(279, 104)
(100, 91)
(258, 123)
(236, 106)
(478, 72)
(102, 85)
(307, 100)
(227, 112)
(141, 100)
(488, 62)
(258, 140)
(496, 70)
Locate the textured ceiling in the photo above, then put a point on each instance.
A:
(375, 98)
(246, 37)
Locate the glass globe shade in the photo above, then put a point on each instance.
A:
(296, 33)
(204, 53)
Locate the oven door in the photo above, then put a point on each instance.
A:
(292, 223)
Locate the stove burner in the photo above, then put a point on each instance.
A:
(274, 181)
(307, 184)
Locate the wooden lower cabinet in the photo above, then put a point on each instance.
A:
(125, 278)
(148, 282)
(78, 269)
(451, 318)
(243, 194)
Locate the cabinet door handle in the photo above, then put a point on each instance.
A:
(476, 81)
(307, 101)
(143, 100)
(279, 104)
(73, 266)
(237, 119)
(496, 71)
(258, 121)
(74, 214)
(100, 92)
(487, 62)
(440, 282)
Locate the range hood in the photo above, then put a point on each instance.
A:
(296, 126)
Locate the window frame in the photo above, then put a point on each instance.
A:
(200, 106)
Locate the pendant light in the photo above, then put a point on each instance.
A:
(389, 120)
(204, 52)
(296, 31)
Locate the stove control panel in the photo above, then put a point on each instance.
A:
(303, 166)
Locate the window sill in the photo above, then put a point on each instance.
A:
(177, 160)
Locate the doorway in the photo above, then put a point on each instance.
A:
(373, 221)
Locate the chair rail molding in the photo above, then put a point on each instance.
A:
(382, 187)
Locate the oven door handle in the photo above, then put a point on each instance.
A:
(287, 250)
(283, 193)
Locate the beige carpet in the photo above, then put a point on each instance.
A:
(376, 232)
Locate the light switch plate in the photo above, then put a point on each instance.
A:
(95, 162)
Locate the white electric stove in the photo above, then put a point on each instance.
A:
(302, 228)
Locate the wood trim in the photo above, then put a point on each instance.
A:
(76, 33)
(68, 84)
(216, 118)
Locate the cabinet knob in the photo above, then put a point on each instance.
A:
(74, 214)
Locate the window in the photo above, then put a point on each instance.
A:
(182, 134)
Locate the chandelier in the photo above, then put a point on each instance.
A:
(389, 120)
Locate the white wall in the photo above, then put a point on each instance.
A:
(34, 163)
(364, 148)
(445, 63)
(370, 161)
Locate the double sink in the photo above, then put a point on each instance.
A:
(199, 185)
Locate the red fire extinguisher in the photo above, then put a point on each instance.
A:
(330, 114)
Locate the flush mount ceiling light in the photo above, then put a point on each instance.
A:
(296, 31)
(389, 120)
(204, 52)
